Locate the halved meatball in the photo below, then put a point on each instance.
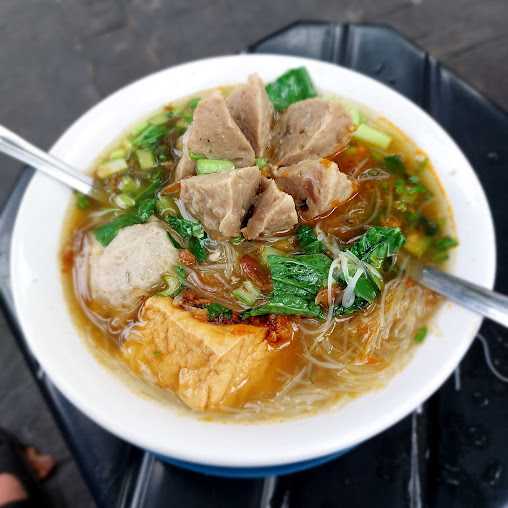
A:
(310, 129)
(253, 112)
(221, 200)
(274, 212)
(318, 183)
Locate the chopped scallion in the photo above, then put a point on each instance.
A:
(128, 184)
(261, 163)
(174, 285)
(206, 166)
(119, 153)
(247, 293)
(354, 113)
(372, 136)
(124, 201)
(111, 167)
(145, 159)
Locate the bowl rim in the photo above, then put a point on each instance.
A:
(313, 448)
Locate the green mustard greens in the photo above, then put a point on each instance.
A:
(293, 86)
(193, 232)
(296, 281)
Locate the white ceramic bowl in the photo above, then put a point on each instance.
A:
(95, 390)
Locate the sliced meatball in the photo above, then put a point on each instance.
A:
(318, 183)
(209, 366)
(221, 200)
(311, 129)
(130, 265)
(186, 166)
(253, 112)
(275, 211)
(215, 134)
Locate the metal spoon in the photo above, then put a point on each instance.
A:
(20, 149)
(485, 302)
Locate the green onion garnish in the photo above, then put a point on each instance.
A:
(372, 136)
(206, 166)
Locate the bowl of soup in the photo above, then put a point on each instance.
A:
(238, 301)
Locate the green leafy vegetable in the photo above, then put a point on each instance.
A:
(289, 305)
(198, 248)
(186, 228)
(394, 164)
(193, 232)
(378, 244)
(107, 232)
(358, 304)
(217, 312)
(369, 254)
(293, 86)
(150, 136)
(418, 219)
(82, 202)
(145, 208)
(409, 190)
(304, 275)
(151, 189)
(421, 333)
(296, 281)
(308, 240)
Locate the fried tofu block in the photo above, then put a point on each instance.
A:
(209, 366)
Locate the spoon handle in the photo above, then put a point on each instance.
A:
(17, 147)
(475, 298)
